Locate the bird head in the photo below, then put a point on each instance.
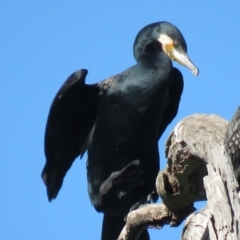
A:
(169, 38)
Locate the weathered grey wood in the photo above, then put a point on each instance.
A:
(196, 226)
(223, 200)
(181, 182)
(152, 214)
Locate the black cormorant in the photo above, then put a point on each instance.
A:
(119, 122)
(232, 143)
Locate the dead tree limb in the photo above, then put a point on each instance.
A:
(147, 215)
(196, 226)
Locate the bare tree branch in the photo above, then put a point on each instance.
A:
(147, 215)
(196, 226)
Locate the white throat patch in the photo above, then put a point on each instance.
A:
(165, 40)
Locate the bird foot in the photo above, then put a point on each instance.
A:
(123, 181)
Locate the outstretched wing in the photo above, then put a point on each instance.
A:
(69, 127)
(232, 142)
(175, 92)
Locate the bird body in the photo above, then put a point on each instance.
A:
(119, 122)
(127, 129)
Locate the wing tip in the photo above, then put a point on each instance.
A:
(52, 190)
(81, 73)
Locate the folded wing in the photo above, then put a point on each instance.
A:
(175, 92)
(69, 127)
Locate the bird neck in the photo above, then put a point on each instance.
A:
(145, 46)
(150, 52)
(155, 60)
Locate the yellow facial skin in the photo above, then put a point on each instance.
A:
(169, 50)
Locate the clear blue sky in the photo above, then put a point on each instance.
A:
(42, 43)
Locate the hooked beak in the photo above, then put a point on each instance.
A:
(184, 60)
